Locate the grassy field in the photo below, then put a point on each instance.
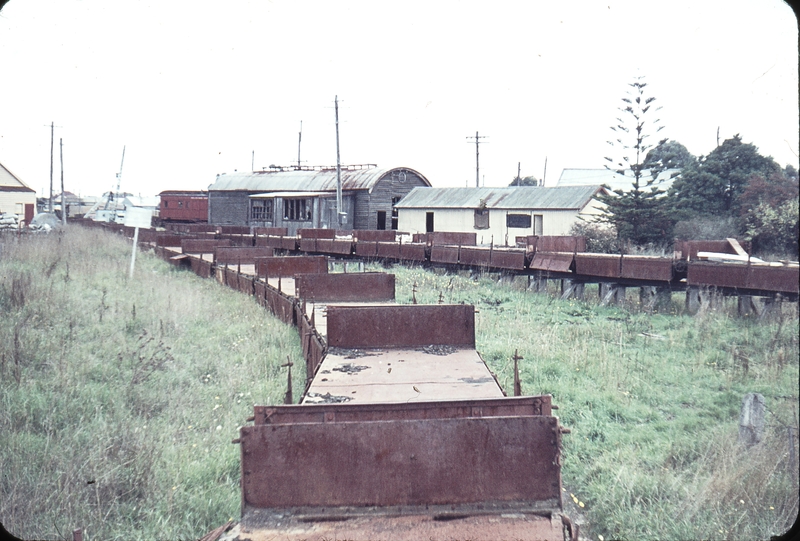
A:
(120, 397)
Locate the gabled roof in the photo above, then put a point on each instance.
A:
(10, 183)
(308, 180)
(513, 197)
(612, 179)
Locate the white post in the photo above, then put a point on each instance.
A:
(133, 253)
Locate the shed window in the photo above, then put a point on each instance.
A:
(538, 227)
(395, 215)
(481, 218)
(298, 210)
(166, 204)
(521, 221)
(262, 210)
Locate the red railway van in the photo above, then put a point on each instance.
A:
(183, 206)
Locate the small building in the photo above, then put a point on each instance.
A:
(498, 215)
(76, 205)
(16, 197)
(299, 198)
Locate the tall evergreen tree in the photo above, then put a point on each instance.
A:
(639, 213)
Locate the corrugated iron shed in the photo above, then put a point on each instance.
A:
(307, 180)
(515, 197)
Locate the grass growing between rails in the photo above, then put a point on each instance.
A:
(119, 397)
(652, 402)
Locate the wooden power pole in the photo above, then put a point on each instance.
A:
(477, 158)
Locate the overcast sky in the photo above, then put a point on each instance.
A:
(193, 89)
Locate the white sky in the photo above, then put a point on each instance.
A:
(192, 89)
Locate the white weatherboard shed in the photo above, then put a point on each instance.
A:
(498, 215)
(15, 196)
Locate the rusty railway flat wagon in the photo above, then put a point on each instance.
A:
(370, 449)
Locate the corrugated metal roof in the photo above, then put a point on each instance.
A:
(304, 181)
(585, 177)
(516, 197)
(269, 195)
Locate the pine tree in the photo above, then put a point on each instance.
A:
(638, 214)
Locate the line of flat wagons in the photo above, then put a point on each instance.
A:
(537, 257)
(402, 431)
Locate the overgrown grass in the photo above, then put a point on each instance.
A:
(119, 398)
(653, 404)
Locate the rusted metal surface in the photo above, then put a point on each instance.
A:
(473, 256)
(717, 274)
(444, 254)
(366, 248)
(239, 240)
(552, 261)
(234, 255)
(402, 375)
(388, 250)
(282, 306)
(401, 326)
(202, 267)
(508, 259)
(307, 245)
(289, 243)
(361, 286)
(354, 412)
(784, 279)
(334, 246)
(650, 268)
(169, 240)
(413, 252)
(191, 228)
(245, 284)
(311, 343)
(374, 235)
(148, 236)
(439, 238)
(557, 243)
(316, 233)
(741, 276)
(269, 240)
(400, 463)
(203, 246)
(604, 265)
(234, 229)
(688, 248)
(291, 265)
(260, 292)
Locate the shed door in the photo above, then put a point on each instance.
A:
(429, 222)
(28, 212)
(381, 219)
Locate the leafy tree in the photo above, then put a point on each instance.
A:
(525, 181)
(774, 229)
(774, 190)
(715, 184)
(668, 155)
(639, 214)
